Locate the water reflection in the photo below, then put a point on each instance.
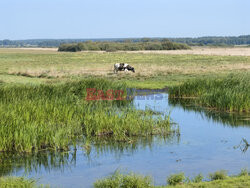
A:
(229, 119)
(120, 148)
(27, 162)
(91, 150)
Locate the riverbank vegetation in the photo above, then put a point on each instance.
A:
(55, 116)
(216, 179)
(231, 93)
(17, 182)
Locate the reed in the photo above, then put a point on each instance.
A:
(118, 179)
(231, 93)
(17, 182)
(55, 116)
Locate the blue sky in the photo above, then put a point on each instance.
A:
(29, 19)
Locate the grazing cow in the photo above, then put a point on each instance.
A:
(123, 67)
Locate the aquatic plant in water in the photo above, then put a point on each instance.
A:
(55, 116)
(231, 93)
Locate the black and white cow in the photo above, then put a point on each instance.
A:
(123, 67)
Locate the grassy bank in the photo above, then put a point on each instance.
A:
(35, 117)
(117, 180)
(217, 179)
(231, 93)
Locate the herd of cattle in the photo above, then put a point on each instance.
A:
(123, 67)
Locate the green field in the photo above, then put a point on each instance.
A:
(152, 70)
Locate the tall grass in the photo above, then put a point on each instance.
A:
(231, 93)
(35, 117)
(17, 182)
(120, 180)
(216, 179)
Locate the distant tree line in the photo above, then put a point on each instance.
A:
(156, 42)
(214, 41)
(122, 46)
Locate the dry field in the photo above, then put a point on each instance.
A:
(236, 51)
(157, 68)
(227, 51)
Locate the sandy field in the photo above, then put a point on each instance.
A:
(236, 51)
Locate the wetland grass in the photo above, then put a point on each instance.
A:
(120, 180)
(231, 93)
(55, 116)
(217, 179)
(17, 182)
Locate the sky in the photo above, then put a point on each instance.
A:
(55, 19)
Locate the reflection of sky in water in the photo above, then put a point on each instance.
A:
(205, 146)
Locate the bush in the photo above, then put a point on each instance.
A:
(124, 46)
(219, 175)
(176, 179)
(198, 178)
(69, 47)
(244, 172)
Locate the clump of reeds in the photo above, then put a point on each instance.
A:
(128, 180)
(231, 93)
(17, 182)
(35, 117)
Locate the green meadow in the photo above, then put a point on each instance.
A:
(152, 70)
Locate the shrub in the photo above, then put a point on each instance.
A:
(198, 178)
(244, 172)
(176, 179)
(69, 47)
(219, 175)
(124, 46)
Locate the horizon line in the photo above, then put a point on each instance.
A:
(105, 38)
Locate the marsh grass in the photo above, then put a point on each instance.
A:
(218, 175)
(217, 179)
(54, 116)
(231, 93)
(120, 180)
(175, 179)
(17, 182)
